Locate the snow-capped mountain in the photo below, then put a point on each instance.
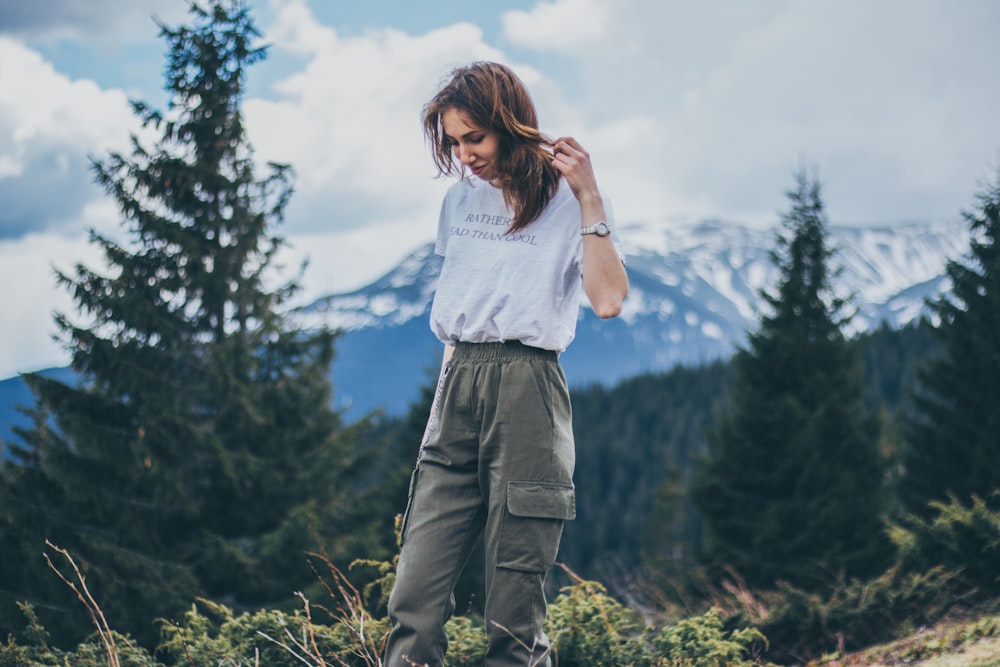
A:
(695, 291)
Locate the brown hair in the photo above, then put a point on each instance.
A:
(493, 98)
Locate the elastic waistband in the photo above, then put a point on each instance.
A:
(511, 350)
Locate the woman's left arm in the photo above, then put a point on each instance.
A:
(604, 277)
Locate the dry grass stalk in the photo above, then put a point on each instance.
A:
(350, 612)
(532, 661)
(304, 650)
(83, 594)
(754, 607)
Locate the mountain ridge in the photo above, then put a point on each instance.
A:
(695, 291)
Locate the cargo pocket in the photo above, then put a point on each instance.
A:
(532, 524)
(409, 507)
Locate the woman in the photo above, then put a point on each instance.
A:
(497, 458)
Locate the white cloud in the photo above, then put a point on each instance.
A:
(877, 96)
(49, 126)
(707, 107)
(31, 297)
(49, 107)
(689, 109)
(87, 20)
(347, 260)
(349, 120)
(562, 25)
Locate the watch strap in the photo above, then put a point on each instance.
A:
(600, 228)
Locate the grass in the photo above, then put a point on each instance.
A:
(966, 643)
(587, 628)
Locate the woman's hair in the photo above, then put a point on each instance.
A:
(493, 98)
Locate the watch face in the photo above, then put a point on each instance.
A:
(603, 229)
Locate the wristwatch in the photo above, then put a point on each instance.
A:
(601, 229)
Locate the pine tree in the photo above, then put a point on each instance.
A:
(199, 455)
(792, 486)
(953, 434)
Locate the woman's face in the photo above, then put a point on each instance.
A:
(474, 147)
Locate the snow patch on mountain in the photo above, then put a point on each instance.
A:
(695, 292)
(887, 272)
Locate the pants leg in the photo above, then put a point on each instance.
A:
(444, 519)
(501, 456)
(527, 443)
(444, 522)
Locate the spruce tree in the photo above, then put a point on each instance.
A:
(199, 454)
(952, 436)
(792, 485)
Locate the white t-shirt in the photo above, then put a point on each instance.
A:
(497, 287)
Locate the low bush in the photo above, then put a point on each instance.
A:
(947, 562)
(586, 626)
(964, 538)
(853, 614)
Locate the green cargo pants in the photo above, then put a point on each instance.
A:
(498, 462)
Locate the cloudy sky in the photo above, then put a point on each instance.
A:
(690, 111)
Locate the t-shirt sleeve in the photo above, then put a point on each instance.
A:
(441, 244)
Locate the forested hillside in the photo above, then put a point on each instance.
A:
(637, 444)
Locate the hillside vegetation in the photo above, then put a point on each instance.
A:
(194, 499)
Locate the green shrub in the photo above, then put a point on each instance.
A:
(36, 652)
(959, 537)
(853, 614)
(948, 561)
(466, 642)
(211, 634)
(588, 627)
(87, 654)
(700, 641)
